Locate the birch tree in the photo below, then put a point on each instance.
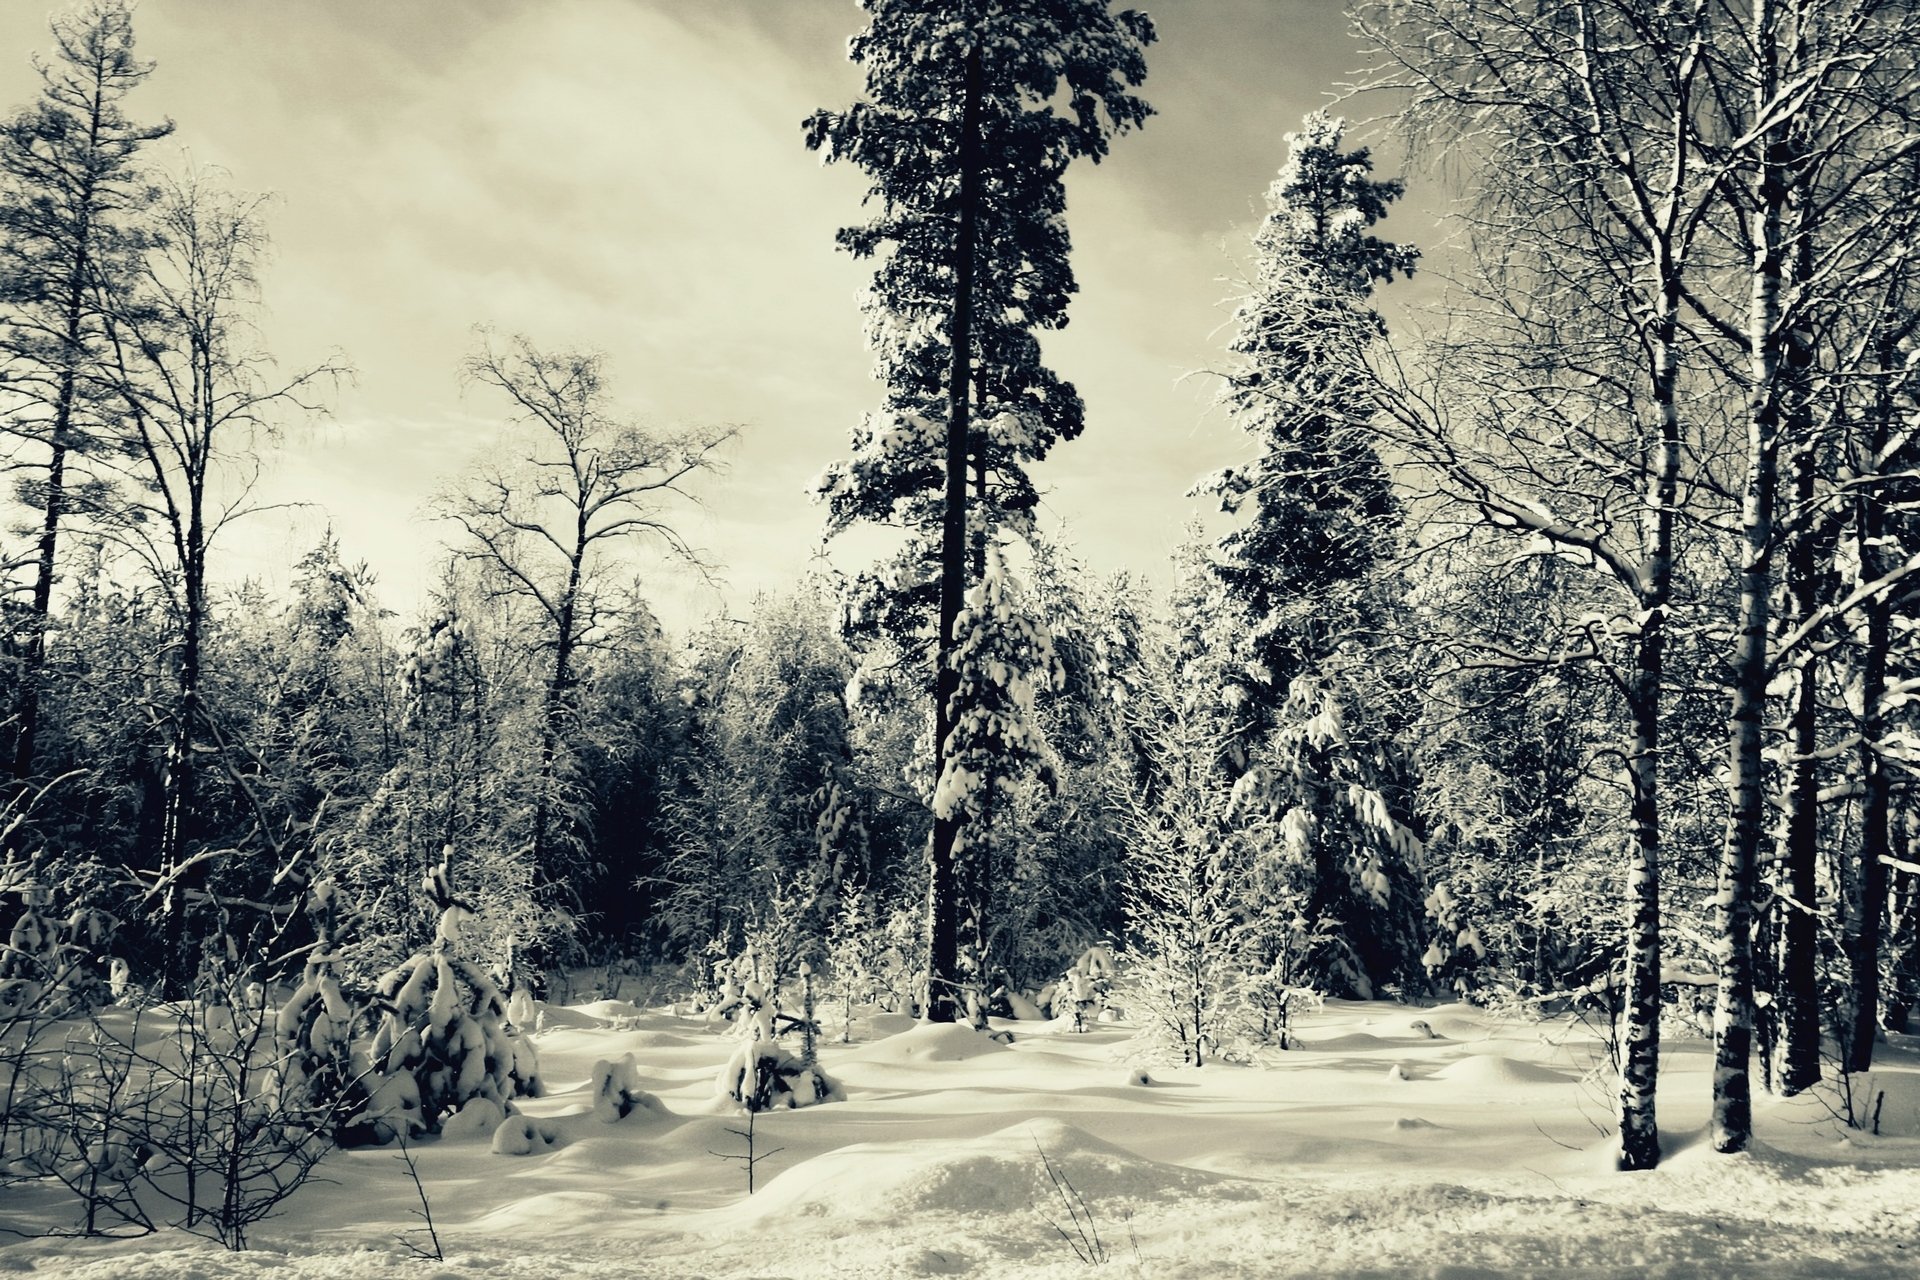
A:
(1585, 116)
(196, 396)
(1818, 97)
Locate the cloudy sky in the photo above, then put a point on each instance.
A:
(629, 175)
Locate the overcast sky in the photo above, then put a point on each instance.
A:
(629, 175)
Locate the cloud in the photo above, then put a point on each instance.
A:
(629, 175)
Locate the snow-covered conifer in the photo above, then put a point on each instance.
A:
(443, 1035)
(971, 115)
(1002, 655)
(855, 946)
(316, 1028)
(759, 1074)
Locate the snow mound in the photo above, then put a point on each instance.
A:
(1025, 1010)
(476, 1118)
(1351, 1042)
(1495, 1071)
(931, 1042)
(523, 1136)
(998, 1173)
(889, 1024)
(608, 1010)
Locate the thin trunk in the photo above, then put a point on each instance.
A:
(1732, 1117)
(1903, 932)
(1866, 918)
(553, 712)
(1799, 983)
(1640, 1034)
(943, 991)
(177, 813)
(1799, 992)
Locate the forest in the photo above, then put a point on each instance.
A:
(1547, 656)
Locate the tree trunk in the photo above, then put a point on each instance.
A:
(1732, 1118)
(1903, 931)
(1868, 899)
(1640, 1033)
(178, 809)
(943, 990)
(1798, 996)
(27, 710)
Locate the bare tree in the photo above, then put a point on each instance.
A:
(547, 527)
(197, 395)
(1584, 113)
(1816, 103)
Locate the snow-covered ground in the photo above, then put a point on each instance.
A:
(1398, 1143)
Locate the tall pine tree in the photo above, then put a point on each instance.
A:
(972, 113)
(70, 189)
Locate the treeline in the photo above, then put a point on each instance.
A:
(1560, 651)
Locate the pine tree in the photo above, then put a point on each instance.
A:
(972, 114)
(71, 197)
(1303, 578)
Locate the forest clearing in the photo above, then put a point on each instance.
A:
(1434, 1142)
(692, 725)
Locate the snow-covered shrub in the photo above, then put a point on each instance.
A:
(1082, 993)
(50, 965)
(476, 1118)
(856, 944)
(443, 1036)
(617, 1092)
(27, 964)
(315, 1030)
(1270, 1001)
(759, 1074)
(522, 1136)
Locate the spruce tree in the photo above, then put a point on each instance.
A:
(1321, 512)
(1302, 577)
(971, 116)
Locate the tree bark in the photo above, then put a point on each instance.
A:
(1640, 1035)
(1868, 897)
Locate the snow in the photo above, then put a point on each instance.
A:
(1399, 1142)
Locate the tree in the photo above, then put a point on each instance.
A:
(1321, 512)
(589, 482)
(194, 396)
(68, 228)
(1306, 576)
(972, 115)
(1690, 194)
(1585, 117)
(1820, 102)
(1189, 942)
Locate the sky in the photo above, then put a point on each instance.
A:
(628, 175)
